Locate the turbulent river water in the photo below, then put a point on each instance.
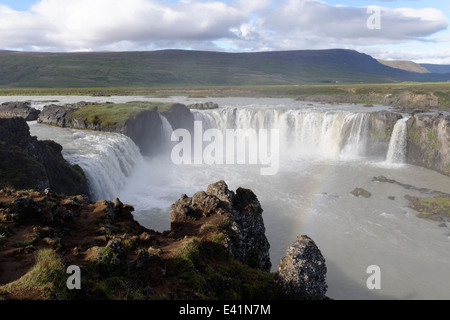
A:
(321, 160)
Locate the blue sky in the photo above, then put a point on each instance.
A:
(408, 29)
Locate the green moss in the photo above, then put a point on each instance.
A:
(116, 115)
(432, 207)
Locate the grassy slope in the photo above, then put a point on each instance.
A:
(194, 68)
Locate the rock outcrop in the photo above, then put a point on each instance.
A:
(381, 125)
(303, 270)
(19, 109)
(145, 128)
(179, 116)
(429, 141)
(204, 105)
(245, 238)
(27, 163)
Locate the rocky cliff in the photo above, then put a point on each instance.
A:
(429, 141)
(216, 249)
(144, 128)
(27, 163)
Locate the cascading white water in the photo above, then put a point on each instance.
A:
(398, 142)
(166, 129)
(107, 159)
(302, 132)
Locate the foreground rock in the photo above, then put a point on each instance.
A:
(19, 109)
(303, 271)
(245, 239)
(209, 253)
(27, 163)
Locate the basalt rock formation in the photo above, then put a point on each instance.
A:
(145, 128)
(429, 141)
(27, 163)
(245, 238)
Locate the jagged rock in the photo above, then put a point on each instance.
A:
(245, 240)
(302, 272)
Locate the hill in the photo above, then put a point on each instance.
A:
(437, 68)
(195, 68)
(404, 65)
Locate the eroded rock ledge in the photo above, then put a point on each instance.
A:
(216, 249)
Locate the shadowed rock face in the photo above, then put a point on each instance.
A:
(303, 271)
(19, 109)
(245, 238)
(27, 163)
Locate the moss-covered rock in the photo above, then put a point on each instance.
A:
(428, 143)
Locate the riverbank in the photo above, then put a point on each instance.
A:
(406, 95)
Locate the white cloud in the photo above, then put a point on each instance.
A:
(241, 25)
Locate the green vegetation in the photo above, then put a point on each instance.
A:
(414, 94)
(432, 208)
(195, 264)
(115, 115)
(196, 68)
(47, 278)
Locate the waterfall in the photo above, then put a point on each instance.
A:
(397, 144)
(106, 158)
(310, 133)
(107, 165)
(166, 130)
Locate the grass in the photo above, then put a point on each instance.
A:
(115, 115)
(357, 93)
(47, 278)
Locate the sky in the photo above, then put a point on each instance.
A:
(414, 30)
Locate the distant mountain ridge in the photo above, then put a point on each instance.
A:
(197, 68)
(436, 68)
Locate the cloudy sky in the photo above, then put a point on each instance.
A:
(391, 29)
